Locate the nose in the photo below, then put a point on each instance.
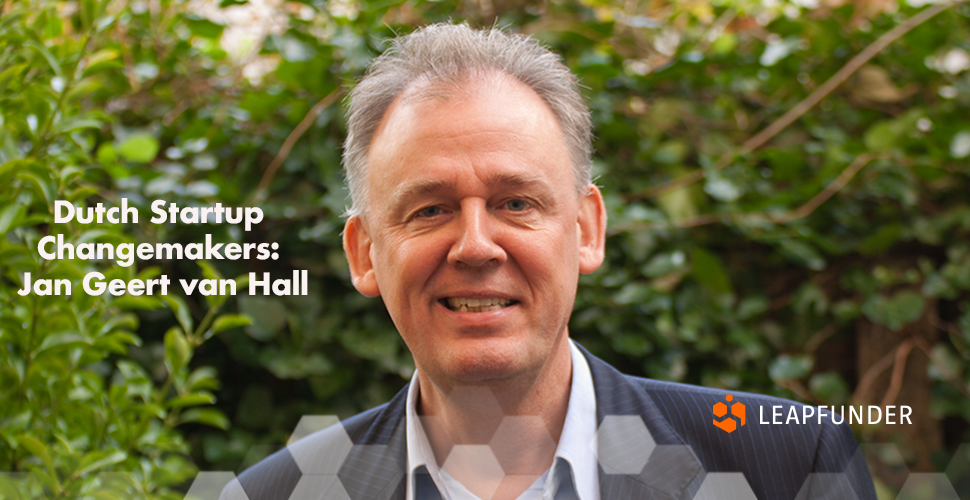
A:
(475, 244)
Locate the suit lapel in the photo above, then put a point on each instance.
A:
(376, 466)
(671, 466)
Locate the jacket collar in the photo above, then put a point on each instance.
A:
(376, 466)
(670, 465)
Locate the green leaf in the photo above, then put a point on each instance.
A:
(725, 43)
(208, 416)
(633, 293)
(230, 321)
(117, 342)
(242, 281)
(102, 60)
(10, 74)
(846, 310)
(11, 486)
(62, 340)
(51, 60)
(802, 253)
(203, 378)
(663, 264)
(89, 12)
(880, 137)
(53, 28)
(209, 271)
(42, 187)
(888, 135)
(205, 28)
(16, 165)
(709, 271)
(129, 302)
(788, 367)
(106, 153)
(98, 460)
(139, 148)
(8, 215)
(48, 480)
(947, 365)
(960, 145)
(678, 204)
(192, 400)
(894, 312)
(809, 298)
(883, 239)
(148, 273)
(751, 307)
(829, 387)
(38, 449)
(671, 152)
(182, 313)
(76, 123)
(177, 349)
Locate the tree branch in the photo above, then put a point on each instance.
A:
(837, 184)
(809, 102)
(290, 141)
(821, 336)
(869, 378)
(899, 369)
(714, 32)
(802, 211)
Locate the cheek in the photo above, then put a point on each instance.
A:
(549, 259)
(404, 265)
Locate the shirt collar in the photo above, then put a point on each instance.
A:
(576, 447)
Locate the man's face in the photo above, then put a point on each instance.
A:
(475, 234)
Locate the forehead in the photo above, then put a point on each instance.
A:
(493, 127)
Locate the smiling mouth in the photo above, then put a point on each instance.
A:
(476, 305)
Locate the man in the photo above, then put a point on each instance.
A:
(468, 161)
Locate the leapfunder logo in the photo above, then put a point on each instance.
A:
(730, 423)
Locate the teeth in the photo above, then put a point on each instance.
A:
(477, 305)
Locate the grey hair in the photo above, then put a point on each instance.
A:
(449, 55)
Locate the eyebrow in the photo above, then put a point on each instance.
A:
(420, 188)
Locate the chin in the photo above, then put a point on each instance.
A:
(478, 364)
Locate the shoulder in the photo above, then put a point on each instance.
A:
(784, 448)
(779, 445)
(322, 454)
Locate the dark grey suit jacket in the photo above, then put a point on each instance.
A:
(366, 456)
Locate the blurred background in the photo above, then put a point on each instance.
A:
(787, 182)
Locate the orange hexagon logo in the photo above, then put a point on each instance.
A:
(729, 423)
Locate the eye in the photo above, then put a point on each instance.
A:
(517, 205)
(429, 211)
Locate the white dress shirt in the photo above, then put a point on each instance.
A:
(573, 474)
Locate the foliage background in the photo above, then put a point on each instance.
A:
(826, 261)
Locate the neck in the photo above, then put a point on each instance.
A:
(520, 419)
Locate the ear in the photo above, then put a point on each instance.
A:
(357, 246)
(592, 230)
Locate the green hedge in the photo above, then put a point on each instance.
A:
(824, 258)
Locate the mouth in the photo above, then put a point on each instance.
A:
(461, 304)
